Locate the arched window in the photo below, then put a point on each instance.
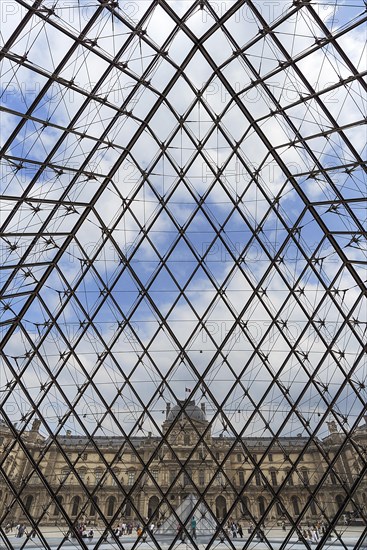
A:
(339, 501)
(93, 504)
(58, 501)
(75, 504)
(111, 501)
(28, 503)
(280, 509)
(153, 506)
(261, 504)
(187, 439)
(313, 507)
(241, 477)
(221, 507)
(245, 506)
(128, 509)
(295, 505)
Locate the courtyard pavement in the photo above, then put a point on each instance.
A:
(345, 537)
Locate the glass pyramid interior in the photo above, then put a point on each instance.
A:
(183, 229)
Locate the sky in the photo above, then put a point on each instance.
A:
(176, 216)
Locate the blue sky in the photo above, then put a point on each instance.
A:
(180, 312)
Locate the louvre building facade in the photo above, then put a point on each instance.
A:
(144, 479)
(183, 257)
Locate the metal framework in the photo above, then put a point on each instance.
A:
(183, 217)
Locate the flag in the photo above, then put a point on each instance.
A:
(188, 390)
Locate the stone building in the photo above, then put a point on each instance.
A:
(104, 480)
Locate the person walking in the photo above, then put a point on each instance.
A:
(193, 527)
(181, 532)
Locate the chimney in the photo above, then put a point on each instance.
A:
(36, 425)
(333, 429)
(68, 433)
(202, 407)
(168, 408)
